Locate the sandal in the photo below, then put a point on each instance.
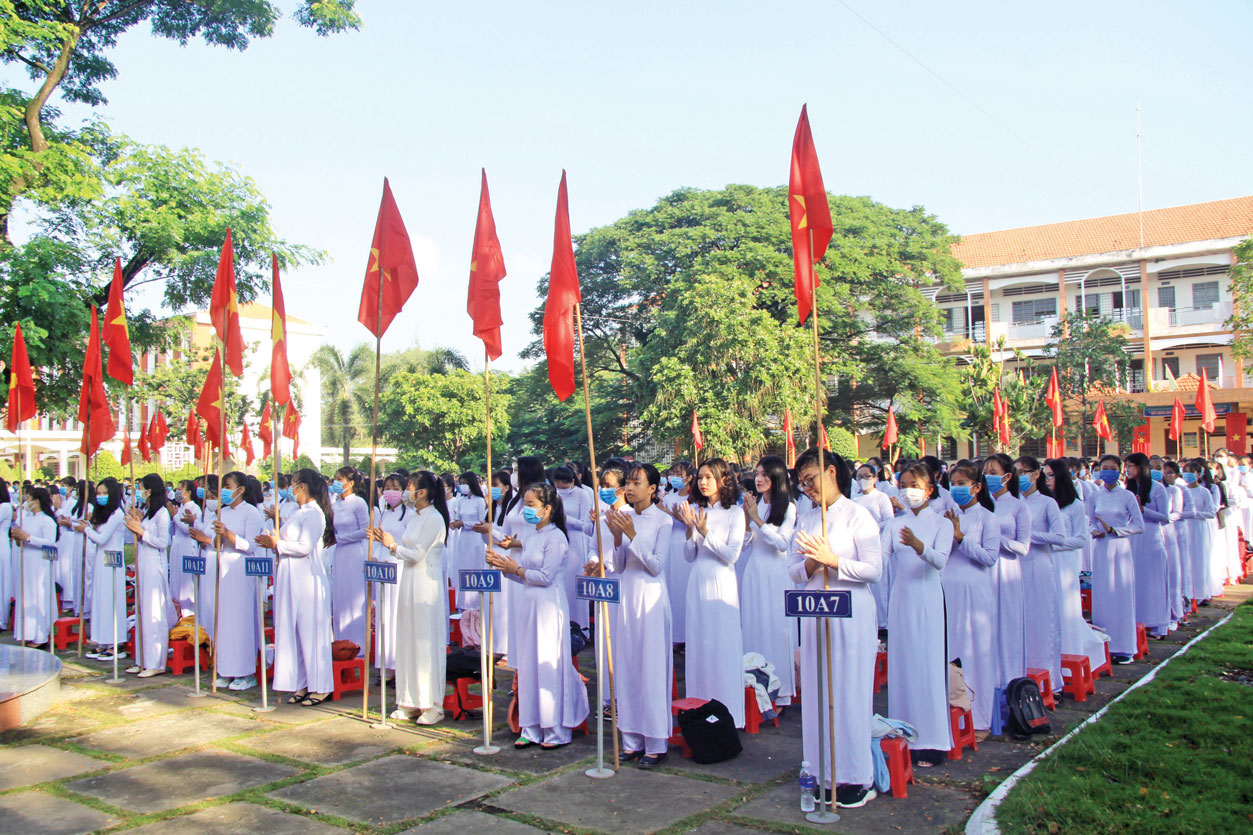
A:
(651, 760)
(522, 742)
(297, 698)
(314, 701)
(553, 746)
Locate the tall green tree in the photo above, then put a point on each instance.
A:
(437, 420)
(1241, 321)
(1021, 387)
(347, 393)
(554, 430)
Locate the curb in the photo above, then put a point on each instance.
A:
(983, 820)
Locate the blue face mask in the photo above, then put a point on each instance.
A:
(1024, 483)
(1243, 468)
(199, 492)
(961, 494)
(65, 491)
(1190, 478)
(337, 487)
(1109, 476)
(676, 482)
(228, 496)
(995, 483)
(496, 493)
(608, 495)
(102, 500)
(1156, 475)
(285, 495)
(530, 515)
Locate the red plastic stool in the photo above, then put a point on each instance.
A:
(349, 676)
(1106, 669)
(896, 751)
(269, 634)
(752, 713)
(269, 671)
(454, 634)
(1194, 609)
(181, 659)
(963, 727)
(1045, 682)
(674, 685)
(65, 632)
(1077, 677)
(1085, 602)
(458, 703)
(1142, 642)
(676, 737)
(880, 671)
(452, 601)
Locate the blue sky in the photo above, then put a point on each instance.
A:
(636, 100)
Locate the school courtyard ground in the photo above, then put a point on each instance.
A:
(144, 756)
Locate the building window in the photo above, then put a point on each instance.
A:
(1166, 297)
(1173, 364)
(1093, 306)
(1211, 364)
(1189, 440)
(1034, 310)
(1204, 295)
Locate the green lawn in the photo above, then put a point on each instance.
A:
(1174, 756)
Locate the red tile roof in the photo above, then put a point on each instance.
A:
(1115, 233)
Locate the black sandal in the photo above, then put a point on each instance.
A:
(313, 701)
(651, 760)
(553, 746)
(522, 742)
(297, 698)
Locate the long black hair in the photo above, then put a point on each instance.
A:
(1063, 490)
(41, 495)
(315, 486)
(972, 474)
(254, 493)
(353, 475)
(823, 458)
(1144, 480)
(530, 471)
(548, 496)
(651, 474)
(82, 488)
(155, 485)
(1009, 479)
(502, 504)
(101, 513)
(5, 498)
(434, 487)
(780, 496)
(472, 481)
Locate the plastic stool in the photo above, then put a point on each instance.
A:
(459, 703)
(181, 659)
(65, 632)
(1105, 669)
(269, 671)
(676, 737)
(1000, 712)
(349, 676)
(1142, 642)
(880, 670)
(1045, 682)
(1085, 602)
(752, 713)
(962, 725)
(454, 634)
(896, 752)
(1077, 677)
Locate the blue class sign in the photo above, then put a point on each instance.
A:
(818, 603)
(51, 554)
(194, 564)
(112, 559)
(599, 589)
(480, 579)
(258, 566)
(380, 572)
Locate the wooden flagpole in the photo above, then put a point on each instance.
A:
(489, 662)
(84, 505)
(217, 568)
(374, 455)
(139, 620)
(603, 613)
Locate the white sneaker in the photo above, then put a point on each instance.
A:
(431, 716)
(222, 681)
(400, 714)
(245, 683)
(95, 653)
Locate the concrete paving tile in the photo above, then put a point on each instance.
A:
(767, 755)
(36, 813)
(721, 827)
(459, 823)
(143, 704)
(533, 760)
(283, 713)
(927, 809)
(163, 734)
(336, 742)
(168, 784)
(233, 818)
(632, 801)
(31, 764)
(55, 724)
(391, 789)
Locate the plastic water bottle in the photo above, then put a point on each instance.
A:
(808, 785)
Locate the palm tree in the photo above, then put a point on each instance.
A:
(347, 391)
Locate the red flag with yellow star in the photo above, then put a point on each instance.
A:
(265, 433)
(21, 384)
(117, 336)
(209, 406)
(391, 262)
(158, 431)
(1100, 422)
(1177, 416)
(810, 215)
(487, 268)
(563, 295)
(145, 451)
(280, 371)
(291, 428)
(1205, 403)
(245, 443)
(224, 309)
(94, 411)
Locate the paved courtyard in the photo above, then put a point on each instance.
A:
(147, 757)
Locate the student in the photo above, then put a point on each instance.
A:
(7, 577)
(1199, 512)
(38, 530)
(188, 512)
(302, 592)
(392, 519)
(1077, 637)
(1042, 630)
(1217, 559)
(1176, 539)
(352, 519)
(771, 521)
(847, 555)
(678, 569)
(1113, 517)
(76, 497)
(552, 699)
(879, 503)
(149, 522)
(1229, 567)
(511, 536)
(970, 605)
(202, 532)
(1148, 549)
(578, 505)
(714, 537)
(105, 532)
(470, 511)
(1015, 520)
(420, 601)
(477, 604)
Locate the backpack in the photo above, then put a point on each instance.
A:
(578, 638)
(710, 732)
(1026, 709)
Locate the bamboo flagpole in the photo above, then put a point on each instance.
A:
(139, 619)
(217, 539)
(369, 556)
(487, 655)
(21, 556)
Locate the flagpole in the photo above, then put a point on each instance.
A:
(603, 614)
(21, 506)
(369, 556)
(139, 620)
(487, 658)
(84, 502)
(217, 568)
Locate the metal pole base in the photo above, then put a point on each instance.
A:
(200, 694)
(114, 680)
(600, 773)
(487, 750)
(382, 726)
(265, 709)
(822, 817)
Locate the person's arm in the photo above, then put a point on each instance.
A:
(647, 548)
(251, 524)
(361, 522)
(307, 534)
(43, 534)
(935, 553)
(724, 539)
(580, 520)
(427, 536)
(985, 548)
(1135, 521)
(1176, 504)
(106, 531)
(1204, 507)
(779, 536)
(865, 564)
(157, 535)
(1157, 508)
(1050, 530)
(1017, 545)
(179, 525)
(552, 556)
(1071, 524)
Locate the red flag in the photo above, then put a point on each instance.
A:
(157, 432)
(224, 309)
(145, 451)
(823, 440)
(698, 440)
(1100, 422)
(788, 441)
(1177, 416)
(21, 384)
(126, 443)
(291, 428)
(117, 336)
(1237, 433)
(1000, 417)
(1204, 403)
(265, 432)
(1053, 397)
(280, 371)
(94, 411)
(487, 268)
(810, 214)
(193, 429)
(209, 405)
(890, 435)
(245, 443)
(563, 295)
(391, 258)
(1141, 437)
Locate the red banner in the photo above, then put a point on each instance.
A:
(1142, 437)
(1237, 433)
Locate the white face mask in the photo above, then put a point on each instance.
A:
(866, 484)
(211, 504)
(915, 497)
(407, 497)
(513, 479)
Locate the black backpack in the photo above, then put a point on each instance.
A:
(1026, 709)
(710, 732)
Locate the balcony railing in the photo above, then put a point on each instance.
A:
(1041, 329)
(1213, 317)
(978, 333)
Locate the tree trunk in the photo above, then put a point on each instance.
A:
(38, 143)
